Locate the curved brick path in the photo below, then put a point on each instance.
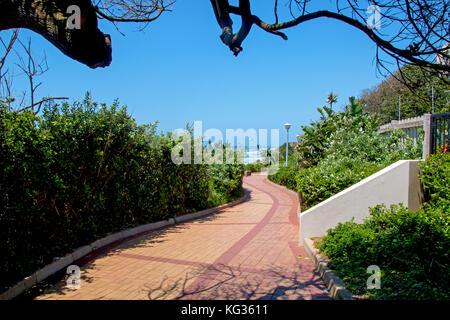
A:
(248, 251)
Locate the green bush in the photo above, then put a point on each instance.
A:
(411, 248)
(320, 136)
(285, 176)
(79, 172)
(254, 167)
(225, 182)
(332, 175)
(353, 156)
(340, 150)
(373, 147)
(435, 177)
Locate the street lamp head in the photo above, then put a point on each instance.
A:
(287, 125)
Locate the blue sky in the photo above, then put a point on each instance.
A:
(178, 71)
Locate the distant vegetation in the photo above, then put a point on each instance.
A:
(81, 171)
(254, 167)
(415, 96)
(282, 151)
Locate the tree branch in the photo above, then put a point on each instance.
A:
(385, 45)
(39, 103)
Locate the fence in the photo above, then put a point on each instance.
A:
(436, 128)
(440, 135)
(411, 126)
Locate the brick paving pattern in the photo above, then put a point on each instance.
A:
(248, 251)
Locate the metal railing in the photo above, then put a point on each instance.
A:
(439, 131)
(436, 128)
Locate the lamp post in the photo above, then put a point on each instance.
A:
(287, 125)
(432, 99)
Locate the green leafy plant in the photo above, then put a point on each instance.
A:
(81, 171)
(411, 248)
(332, 175)
(286, 175)
(435, 176)
(254, 167)
(340, 150)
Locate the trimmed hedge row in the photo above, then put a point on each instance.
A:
(79, 172)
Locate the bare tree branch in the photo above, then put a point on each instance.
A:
(30, 67)
(39, 103)
(423, 27)
(138, 11)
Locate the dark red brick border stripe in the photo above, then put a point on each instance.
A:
(232, 223)
(293, 218)
(219, 223)
(208, 276)
(228, 255)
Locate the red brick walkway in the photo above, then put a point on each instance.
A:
(248, 251)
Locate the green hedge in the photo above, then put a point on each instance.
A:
(285, 176)
(79, 172)
(340, 150)
(254, 167)
(435, 176)
(411, 248)
(225, 181)
(358, 156)
(331, 176)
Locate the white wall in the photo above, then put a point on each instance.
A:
(398, 183)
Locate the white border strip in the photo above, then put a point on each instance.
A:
(65, 261)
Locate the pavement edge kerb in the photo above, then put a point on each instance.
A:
(335, 286)
(65, 261)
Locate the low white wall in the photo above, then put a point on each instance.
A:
(398, 183)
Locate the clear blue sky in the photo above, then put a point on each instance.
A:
(178, 71)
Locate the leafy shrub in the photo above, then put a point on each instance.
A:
(340, 150)
(80, 172)
(435, 177)
(332, 175)
(352, 157)
(285, 175)
(373, 147)
(411, 248)
(254, 167)
(225, 182)
(320, 135)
